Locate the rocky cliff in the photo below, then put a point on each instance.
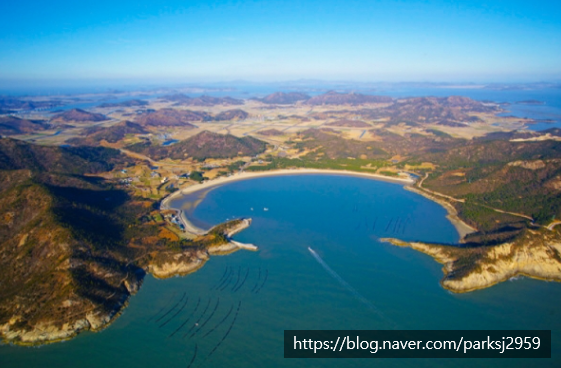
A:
(535, 253)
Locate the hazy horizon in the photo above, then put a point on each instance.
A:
(224, 41)
(77, 87)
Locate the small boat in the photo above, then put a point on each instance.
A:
(265, 209)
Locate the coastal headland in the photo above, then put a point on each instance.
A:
(536, 254)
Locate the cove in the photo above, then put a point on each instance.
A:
(252, 297)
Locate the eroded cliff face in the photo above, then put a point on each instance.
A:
(179, 264)
(535, 253)
(81, 316)
(43, 332)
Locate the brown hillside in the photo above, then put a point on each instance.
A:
(335, 98)
(78, 115)
(350, 123)
(283, 98)
(172, 117)
(112, 134)
(10, 125)
(235, 114)
(205, 145)
(270, 132)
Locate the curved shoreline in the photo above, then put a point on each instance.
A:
(211, 184)
(461, 227)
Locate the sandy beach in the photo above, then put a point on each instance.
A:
(251, 175)
(460, 226)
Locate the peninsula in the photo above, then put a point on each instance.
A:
(535, 254)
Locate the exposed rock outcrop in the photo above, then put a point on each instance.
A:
(535, 253)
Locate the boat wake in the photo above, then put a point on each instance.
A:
(346, 285)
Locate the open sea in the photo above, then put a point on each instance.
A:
(233, 311)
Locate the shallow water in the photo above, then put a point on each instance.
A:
(340, 218)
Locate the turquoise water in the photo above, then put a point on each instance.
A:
(339, 217)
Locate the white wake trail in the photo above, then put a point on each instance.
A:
(346, 285)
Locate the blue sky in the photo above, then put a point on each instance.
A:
(281, 40)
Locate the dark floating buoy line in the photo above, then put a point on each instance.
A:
(238, 278)
(187, 320)
(224, 275)
(264, 281)
(172, 308)
(198, 320)
(219, 323)
(195, 352)
(203, 320)
(175, 314)
(397, 224)
(227, 332)
(164, 307)
(227, 280)
(257, 281)
(389, 224)
(193, 358)
(208, 319)
(243, 281)
(224, 279)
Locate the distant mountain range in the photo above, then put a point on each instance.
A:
(335, 98)
(128, 103)
(328, 98)
(284, 98)
(12, 103)
(184, 100)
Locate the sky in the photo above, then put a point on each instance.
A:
(272, 40)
